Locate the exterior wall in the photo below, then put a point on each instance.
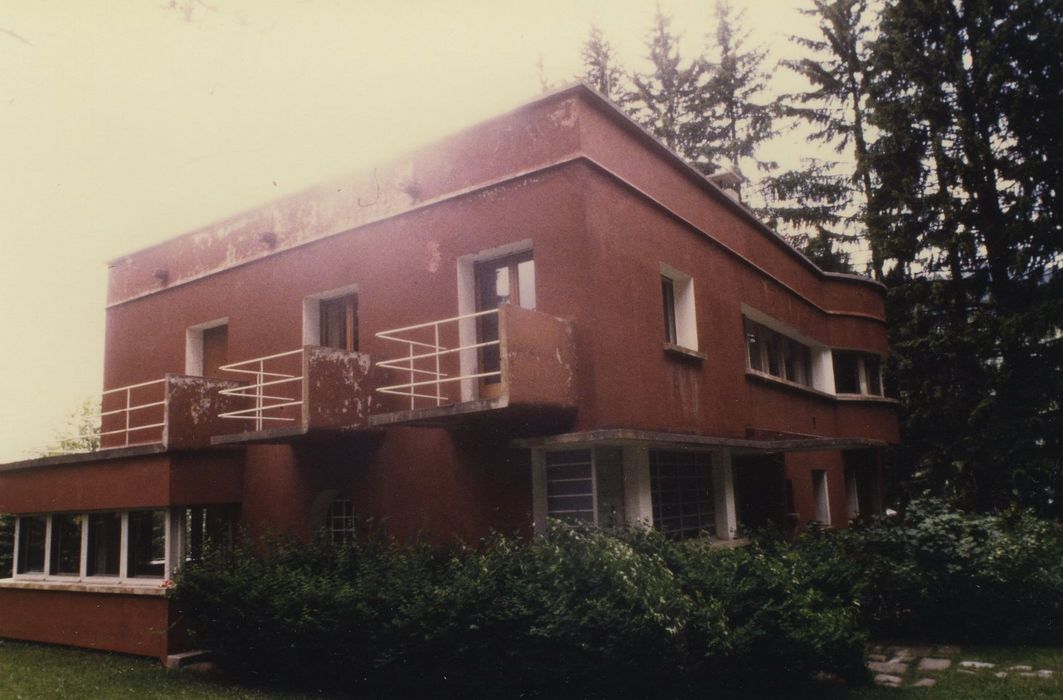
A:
(130, 624)
(799, 468)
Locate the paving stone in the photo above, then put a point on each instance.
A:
(968, 671)
(1028, 674)
(886, 679)
(1020, 667)
(924, 683)
(1045, 673)
(948, 650)
(888, 667)
(903, 654)
(930, 663)
(1001, 674)
(920, 651)
(876, 657)
(976, 664)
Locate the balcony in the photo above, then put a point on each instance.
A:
(509, 364)
(288, 395)
(174, 412)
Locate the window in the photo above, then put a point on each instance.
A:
(339, 522)
(31, 543)
(339, 323)
(147, 544)
(857, 373)
(677, 297)
(819, 493)
(66, 545)
(507, 280)
(96, 545)
(105, 544)
(209, 526)
(682, 494)
(207, 348)
(585, 485)
(773, 353)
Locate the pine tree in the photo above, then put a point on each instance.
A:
(837, 68)
(962, 94)
(667, 100)
(601, 70)
(737, 114)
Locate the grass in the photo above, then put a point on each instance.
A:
(32, 671)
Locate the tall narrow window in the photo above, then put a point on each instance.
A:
(570, 485)
(105, 544)
(339, 323)
(508, 280)
(340, 520)
(668, 295)
(147, 544)
(66, 545)
(31, 536)
(215, 350)
(819, 492)
(846, 372)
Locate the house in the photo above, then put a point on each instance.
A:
(548, 314)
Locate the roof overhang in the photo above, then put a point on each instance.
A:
(654, 438)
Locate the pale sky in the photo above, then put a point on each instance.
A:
(126, 122)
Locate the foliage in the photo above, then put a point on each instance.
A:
(7, 544)
(578, 611)
(941, 574)
(78, 432)
(601, 70)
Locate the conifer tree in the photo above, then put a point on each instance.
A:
(601, 70)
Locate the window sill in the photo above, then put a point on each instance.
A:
(869, 398)
(787, 384)
(683, 353)
(152, 588)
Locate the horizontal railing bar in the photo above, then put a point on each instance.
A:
(387, 390)
(258, 385)
(256, 372)
(134, 386)
(230, 367)
(386, 334)
(129, 429)
(255, 418)
(410, 341)
(256, 409)
(264, 396)
(463, 377)
(413, 369)
(129, 409)
(388, 363)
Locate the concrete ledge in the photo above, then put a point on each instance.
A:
(620, 436)
(155, 589)
(102, 455)
(438, 415)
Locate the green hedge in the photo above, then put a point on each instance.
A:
(574, 612)
(940, 573)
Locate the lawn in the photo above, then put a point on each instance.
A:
(30, 671)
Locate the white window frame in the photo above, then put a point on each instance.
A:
(312, 311)
(822, 378)
(174, 545)
(821, 495)
(683, 307)
(194, 345)
(861, 372)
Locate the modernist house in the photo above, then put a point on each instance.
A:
(548, 314)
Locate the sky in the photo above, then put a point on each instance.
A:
(127, 122)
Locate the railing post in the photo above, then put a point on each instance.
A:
(439, 385)
(258, 395)
(128, 401)
(413, 374)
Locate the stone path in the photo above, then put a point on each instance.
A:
(891, 664)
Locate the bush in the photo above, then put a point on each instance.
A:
(577, 611)
(940, 573)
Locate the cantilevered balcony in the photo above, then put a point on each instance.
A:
(288, 395)
(507, 363)
(176, 411)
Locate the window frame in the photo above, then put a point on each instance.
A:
(173, 546)
(679, 310)
(863, 376)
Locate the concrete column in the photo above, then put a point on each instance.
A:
(724, 491)
(638, 502)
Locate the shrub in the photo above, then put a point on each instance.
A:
(577, 611)
(940, 573)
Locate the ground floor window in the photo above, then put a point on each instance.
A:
(119, 545)
(339, 522)
(681, 488)
(585, 485)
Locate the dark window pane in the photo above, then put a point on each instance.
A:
(754, 345)
(66, 545)
(774, 351)
(668, 294)
(147, 543)
(846, 373)
(105, 544)
(31, 532)
(873, 369)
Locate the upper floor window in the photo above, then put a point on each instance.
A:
(680, 319)
(857, 373)
(339, 323)
(773, 353)
(207, 348)
(506, 280)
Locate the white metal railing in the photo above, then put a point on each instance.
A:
(264, 378)
(424, 359)
(128, 411)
